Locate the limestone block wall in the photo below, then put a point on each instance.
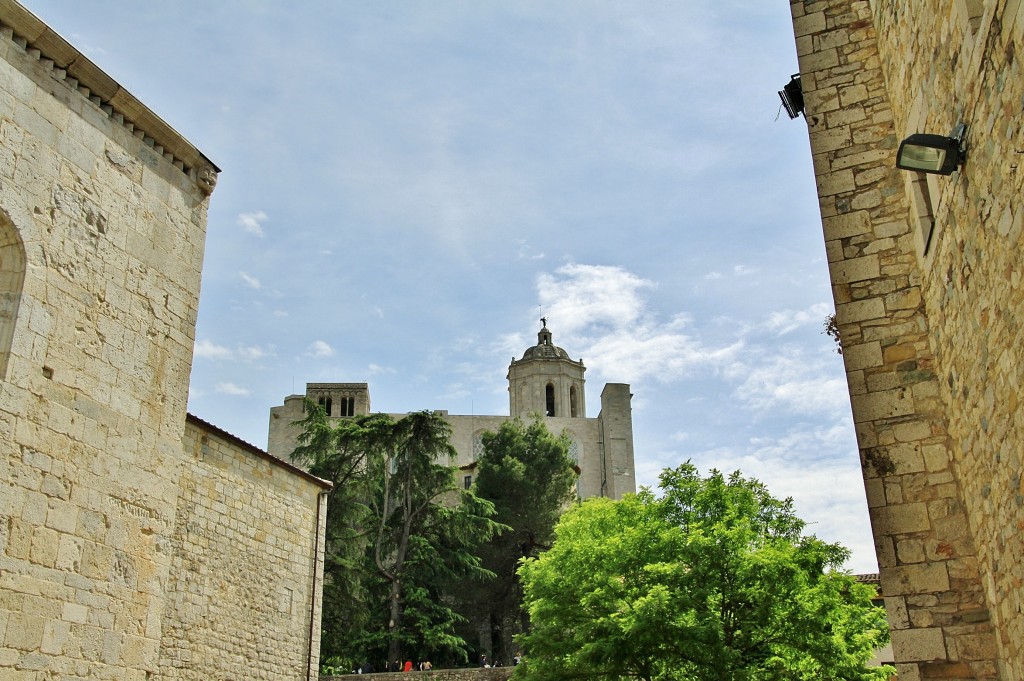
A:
(927, 292)
(492, 674)
(965, 67)
(102, 227)
(585, 434)
(245, 584)
(611, 471)
(283, 436)
(616, 418)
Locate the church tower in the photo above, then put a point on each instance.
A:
(546, 381)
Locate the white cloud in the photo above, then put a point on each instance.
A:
(252, 353)
(602, 312)
(791, 380)
(210, 350)
(785, 321)
(376, 369)
(252, 222)
(251, 281)
(576, 296)
(231, 389)
(319, 348)
(527, 252)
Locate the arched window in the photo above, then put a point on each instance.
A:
(550, 393)
(573, 408)
(12, 278)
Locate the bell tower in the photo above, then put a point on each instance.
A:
(546, 381)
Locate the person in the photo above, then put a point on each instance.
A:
(516, 660)
(483, 661)
(427, 666)
(408, 666)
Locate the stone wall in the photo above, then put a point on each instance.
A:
(102, 228)
(245, 584)
(925, 273)
(473, 674)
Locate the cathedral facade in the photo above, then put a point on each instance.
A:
(545, 381)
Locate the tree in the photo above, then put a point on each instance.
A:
(344, 453)
(526, 472)
(427, 531)
(398, 530)
(712, 581)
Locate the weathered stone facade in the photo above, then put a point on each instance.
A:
(247, 573)
(107, 524)
(544, 381)
(927, 286)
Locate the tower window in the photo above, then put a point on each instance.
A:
(550, 393)
(325, 402)
(573, 409)
(348, 406)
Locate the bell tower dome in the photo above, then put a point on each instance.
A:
(546, 381)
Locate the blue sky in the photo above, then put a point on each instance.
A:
(405, 184)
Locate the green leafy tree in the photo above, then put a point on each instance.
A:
(426, 534)
(343, 452)
(398, 530)
(712, 581)
(526, 472)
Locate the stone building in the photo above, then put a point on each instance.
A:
(930, 307)
(136, 542)
(544, 381)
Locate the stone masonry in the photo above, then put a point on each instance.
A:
(122, 555)
(242, 601)
(472, 674)
(927, 286)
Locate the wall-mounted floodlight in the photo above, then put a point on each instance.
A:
(792, 96)
(933, 153)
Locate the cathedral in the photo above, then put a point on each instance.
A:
(545, 381)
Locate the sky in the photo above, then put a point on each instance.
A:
(407, 187)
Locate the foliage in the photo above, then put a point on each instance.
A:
(343, 453)
(714, 580)
(831, 329)
(526, 472)
(398, 530)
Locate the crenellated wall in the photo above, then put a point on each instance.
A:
(927, 286)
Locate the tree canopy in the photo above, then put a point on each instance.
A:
(714, 580)
(526, 472)
(398, 532)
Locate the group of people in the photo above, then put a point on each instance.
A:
(397, 666)
(497, 663)
(424, 666)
